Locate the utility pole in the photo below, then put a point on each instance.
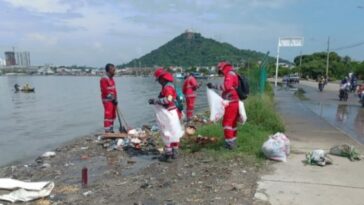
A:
(328, 57)
(300, 59)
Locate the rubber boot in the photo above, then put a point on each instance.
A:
(231, 145)
(174, 153)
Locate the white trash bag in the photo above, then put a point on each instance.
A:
(169, 124)
(24, 191)
(216, 105)
(277, 147)
(242, 113)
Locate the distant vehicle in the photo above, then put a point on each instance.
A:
(198, 75)
(291, 78)
(179, 75)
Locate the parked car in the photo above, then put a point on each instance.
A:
(291, 78)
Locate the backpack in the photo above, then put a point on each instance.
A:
(179, 99)
(243, 87)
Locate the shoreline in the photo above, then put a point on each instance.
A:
(193, 178)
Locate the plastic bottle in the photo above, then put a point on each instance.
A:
(84, 177)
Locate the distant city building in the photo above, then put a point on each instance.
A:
(10, 58)
(23, 59)
(2, 62)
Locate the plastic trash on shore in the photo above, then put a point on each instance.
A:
(318, 157)
(277, 147)
(216, 105)
(24, 191)
(345, 150)
(48, 154)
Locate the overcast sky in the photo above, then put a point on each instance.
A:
(94, 32)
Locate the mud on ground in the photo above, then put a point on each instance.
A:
(117, 178)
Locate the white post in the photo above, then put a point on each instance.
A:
(275, 82)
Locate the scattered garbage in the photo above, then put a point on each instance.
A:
(345, 150)
(318, 157)
(24, 191)
(136, 142)
(277, 147)
(48, 154)
(202, 140)
(87, 193)
(190, 130)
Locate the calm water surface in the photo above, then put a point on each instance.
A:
(63, 108)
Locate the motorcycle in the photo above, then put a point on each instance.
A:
(343, 94)
(321, 86)
(361, 97)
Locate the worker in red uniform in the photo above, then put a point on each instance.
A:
(109, 97)
(229, 93)
(167, 98)
(190, 85)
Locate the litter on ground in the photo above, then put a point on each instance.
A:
(318, 157)
(345, 150)
(277, 147)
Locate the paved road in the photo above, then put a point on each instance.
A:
(294, 182)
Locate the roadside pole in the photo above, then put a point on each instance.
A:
(276, 79)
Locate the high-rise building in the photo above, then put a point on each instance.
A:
(10, 58)
(23, 58)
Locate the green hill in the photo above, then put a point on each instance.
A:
(192, 49)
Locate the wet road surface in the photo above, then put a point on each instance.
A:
(347, 116)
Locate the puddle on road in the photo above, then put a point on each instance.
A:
(348, 118)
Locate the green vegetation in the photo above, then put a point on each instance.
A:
(262, 122)
(314, 65)
(192, 49)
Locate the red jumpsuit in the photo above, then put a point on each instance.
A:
(166, 91)
(108, 94)
(189, 87)
(231, 114)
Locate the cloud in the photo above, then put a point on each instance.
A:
(43, 39)
(43, 6)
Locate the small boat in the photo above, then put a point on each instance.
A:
(27, 90)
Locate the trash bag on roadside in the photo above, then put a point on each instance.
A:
(318, 157)
(169, 124)
(345, 150)
(277, 147)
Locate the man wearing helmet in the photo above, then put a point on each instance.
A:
(229, 93)
(167, 98)
(109, 97)
(190, 86)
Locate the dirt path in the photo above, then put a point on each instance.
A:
(116, 178)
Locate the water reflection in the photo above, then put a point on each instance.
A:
(359, 122)
(342, 112)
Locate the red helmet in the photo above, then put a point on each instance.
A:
(159, 72)
(224, 67)
(168, 77)
(221, 65)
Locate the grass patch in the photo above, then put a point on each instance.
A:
(263, 121)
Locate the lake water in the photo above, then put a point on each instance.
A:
(65, 107)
